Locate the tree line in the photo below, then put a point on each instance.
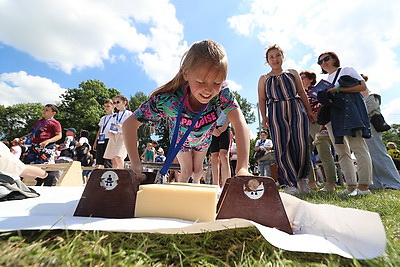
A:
(82, 108)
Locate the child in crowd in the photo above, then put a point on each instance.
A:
(394, 153)
(197, 89)
(116, 150)
(103, 134)
(149, 153)
(282, 94)
(160, 157)
(67, 149)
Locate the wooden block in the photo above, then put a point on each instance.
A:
(109, 193)
(71, 173)
(192, 202)
(253, 198)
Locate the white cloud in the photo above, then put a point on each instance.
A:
(77, 34)
(361, 33)
(391, 111)
(19, 87)
(364, 34)
(233, 85)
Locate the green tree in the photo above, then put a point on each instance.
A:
(393, 135)
(18, 120)
(137, 99)
(245, 106)
(81, 108)
(144, 131)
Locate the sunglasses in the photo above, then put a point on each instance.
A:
(117, 102)
(324, 59)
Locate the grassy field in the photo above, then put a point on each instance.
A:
(240, 247)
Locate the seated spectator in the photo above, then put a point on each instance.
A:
(160, 157)
(16, 148)
(46, 132)
(12, 165)
(83, 148)
(68, 147)
(394, 153)
(148, 154)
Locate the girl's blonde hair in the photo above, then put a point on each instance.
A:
(206, 51)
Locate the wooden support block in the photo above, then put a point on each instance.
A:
(71, 173)
(109, 193)
(253, 198)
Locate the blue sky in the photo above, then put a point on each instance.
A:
(47, 46)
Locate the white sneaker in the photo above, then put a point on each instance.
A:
(363, 192)
(303, 186)
(349, 193)
(291, 190)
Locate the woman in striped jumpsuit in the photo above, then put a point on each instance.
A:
(282, 93)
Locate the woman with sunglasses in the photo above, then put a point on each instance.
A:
(344, 128)
(282, 93)
(116, 150)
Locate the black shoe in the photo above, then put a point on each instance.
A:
(39, 181)
(50, 180)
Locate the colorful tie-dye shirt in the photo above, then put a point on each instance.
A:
(166, 105)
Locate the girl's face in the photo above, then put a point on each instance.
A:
(205, 83)
(119, 103)
(275, 58)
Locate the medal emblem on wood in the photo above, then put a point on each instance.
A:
(253, 198)
(109, 193)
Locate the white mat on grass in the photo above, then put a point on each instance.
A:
(318, 228)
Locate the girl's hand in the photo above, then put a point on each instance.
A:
(311, 117)
(216, 132)
(332, 90)
(119, 126)
(44, 144)
(265, 122)
(243, 172)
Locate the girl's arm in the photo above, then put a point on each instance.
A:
(242, 141)
(130, 127)
(304, 99)
(262, 100)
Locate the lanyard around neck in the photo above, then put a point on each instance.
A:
(40, 126)
(174, 147)
(118, 120)
(106, 122)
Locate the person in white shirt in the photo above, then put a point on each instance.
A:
(103, 136)
(16, 148)
(265, 162)
(116, 150)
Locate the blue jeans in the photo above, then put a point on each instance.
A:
(264, 167)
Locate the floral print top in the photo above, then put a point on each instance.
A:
(166, 105)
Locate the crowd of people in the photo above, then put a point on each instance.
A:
(200, 110)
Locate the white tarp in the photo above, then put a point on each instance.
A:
(318, 228)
